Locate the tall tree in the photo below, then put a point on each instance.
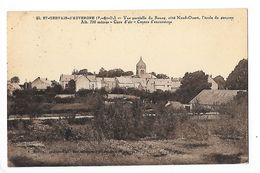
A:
(191, 85)
(114, 73)
(71, 86)
(15, 79)
(238, 78)
(83, 72)
(153, 73)
(128, 73)
(162, 76)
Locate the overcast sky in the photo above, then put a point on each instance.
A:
(50, 48)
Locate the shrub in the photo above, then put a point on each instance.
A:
(166, 123)
(120, 120)
(64, 100)
(84, 92)
(236, 125)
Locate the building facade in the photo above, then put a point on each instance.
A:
(41, 83)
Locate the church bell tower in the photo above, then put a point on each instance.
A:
(140, 67)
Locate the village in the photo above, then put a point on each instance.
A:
(142, 81)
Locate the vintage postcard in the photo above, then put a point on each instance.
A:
(136, 87)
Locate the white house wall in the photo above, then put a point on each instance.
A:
(82, 83)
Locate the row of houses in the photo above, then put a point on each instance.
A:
(93, 82)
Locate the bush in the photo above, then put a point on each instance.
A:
(236, 125)
(64, 100)
(84, 92)
(123, 120)
(120, 120)
(197, 108)
(167, 122)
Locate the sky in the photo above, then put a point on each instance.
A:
(49, 48)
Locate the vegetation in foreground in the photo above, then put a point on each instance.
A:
(119, 134)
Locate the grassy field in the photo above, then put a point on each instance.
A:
(42, 143)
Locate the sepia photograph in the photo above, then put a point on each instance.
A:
(127, 87)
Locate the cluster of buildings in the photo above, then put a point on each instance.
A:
(141, 80)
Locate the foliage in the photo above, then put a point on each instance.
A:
(113, 73)
(119, 120)
(197, 108)
(154, 97)
(71, 87)
(84, 92)
(84, 72)
(236, 125)
(118, 90)
(64, 100)
(31, 101)
(191, 85)
(15, 79)
(123, 120)
(162, 76)
(238, 78)
(102, 91)
(220, 81)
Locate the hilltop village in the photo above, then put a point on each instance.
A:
(141, 80)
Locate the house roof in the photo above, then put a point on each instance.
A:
(13, 86)
(211, 97)
(127, 80)
(99, 79)
(161, 81)
(78, 77)
(141, 62)
(67, 78)
(92, 78)
(42, 80)
(108, 79)
(139, 80)
(148, 75)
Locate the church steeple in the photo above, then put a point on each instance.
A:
(140, 67)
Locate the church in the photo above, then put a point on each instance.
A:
(141, 70)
